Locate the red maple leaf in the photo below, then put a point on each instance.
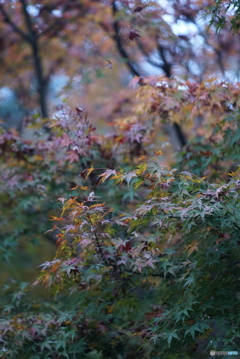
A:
(133, 33)
(72, 156)
(139, 8)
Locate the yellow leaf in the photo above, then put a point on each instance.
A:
(38, 158)
(97, 205)
(73, 188)
(158, 152)
(141, 158)
(192, 247)
(117, 176)
(85, 188)
(232, 174)
(141, 168)
(89, 171)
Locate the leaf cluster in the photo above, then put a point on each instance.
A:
(147, 256)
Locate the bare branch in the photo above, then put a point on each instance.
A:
(167, 67)
(147, 56)
(216, 50)
(28, 21)
(15, 28)
(42, 81)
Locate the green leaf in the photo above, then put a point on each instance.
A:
(169, 336)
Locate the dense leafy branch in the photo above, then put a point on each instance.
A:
(176, 130)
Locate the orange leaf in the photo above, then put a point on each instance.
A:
(73, 188)
(97, 205)
(158, 152)
(56, 218)
(85, 188)
(89, 171)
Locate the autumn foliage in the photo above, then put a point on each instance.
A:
(139, 243)
(148, 255)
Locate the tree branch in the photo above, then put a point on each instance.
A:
(175, 130)
(216, 50)
(147, 56)
(119, 44)
(42, 82)
(15, 28)
(167, 67)
(28, 21)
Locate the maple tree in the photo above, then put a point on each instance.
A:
(143, 244)
(149, 37)
(223, 12)
(136, 246)
(42, 36)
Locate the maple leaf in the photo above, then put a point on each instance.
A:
(139, 8)
(105, 175)
(158, 152)
(86, 241)
(109, 65)
(128, 176)
(220, 191)
(141, 168)
(85, 188)
(121, 261)
(133, 83)
(192, 247)
(141, 158)
(72, 156)
(91, 197)
(56, 218)
(62, 200)
(52, 229)
(97, 206)
(150, 263)
(48, 264)
(87, 172)
(133, 33)
(13, 182)
(79, 110)
(136, 133)
(69, 227)
(73, 188)
(66, 140)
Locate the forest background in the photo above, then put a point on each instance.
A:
(121, 126)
